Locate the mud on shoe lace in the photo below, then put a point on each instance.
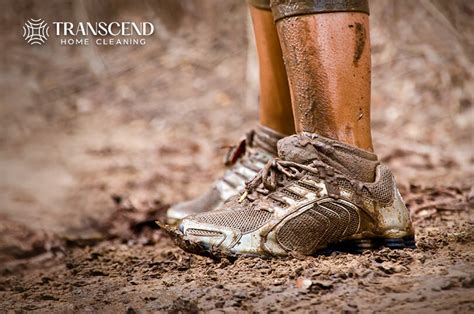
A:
(308, 153)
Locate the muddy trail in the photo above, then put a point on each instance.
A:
(136, 268)
(96, 143)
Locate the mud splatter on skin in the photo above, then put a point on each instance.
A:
(323, 79)
(360, 34)
(307, 78)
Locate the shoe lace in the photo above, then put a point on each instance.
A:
(236, 152)
(276, 171)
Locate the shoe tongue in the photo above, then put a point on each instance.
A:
(266, 139)
(353, 162)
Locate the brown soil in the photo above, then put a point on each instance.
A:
(90, 156)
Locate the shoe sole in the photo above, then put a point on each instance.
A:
(349, 246)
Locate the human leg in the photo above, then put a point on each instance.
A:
(275, 111)
(326, 188)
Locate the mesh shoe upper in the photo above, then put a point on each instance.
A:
(319, 191)
(242, 219)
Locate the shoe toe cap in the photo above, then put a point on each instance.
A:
(207, 235)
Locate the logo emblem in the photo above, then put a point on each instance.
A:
(36, 32)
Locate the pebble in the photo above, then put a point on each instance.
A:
(303, 283)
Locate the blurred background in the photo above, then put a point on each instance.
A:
(83, 126)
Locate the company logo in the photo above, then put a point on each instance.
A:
(124, 33)
(35, 32)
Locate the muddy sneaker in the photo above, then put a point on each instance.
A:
(244, 162)
(318, 194)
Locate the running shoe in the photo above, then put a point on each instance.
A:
(318, 194)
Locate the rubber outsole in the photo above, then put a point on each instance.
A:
(362, 245)
(349, 246)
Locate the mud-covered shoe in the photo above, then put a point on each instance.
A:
(244, 161)
(319, 193)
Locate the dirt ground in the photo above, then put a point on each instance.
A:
(96, 143)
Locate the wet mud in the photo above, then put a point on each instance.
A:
(157, 276)
(307, 77)
(360, 36)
